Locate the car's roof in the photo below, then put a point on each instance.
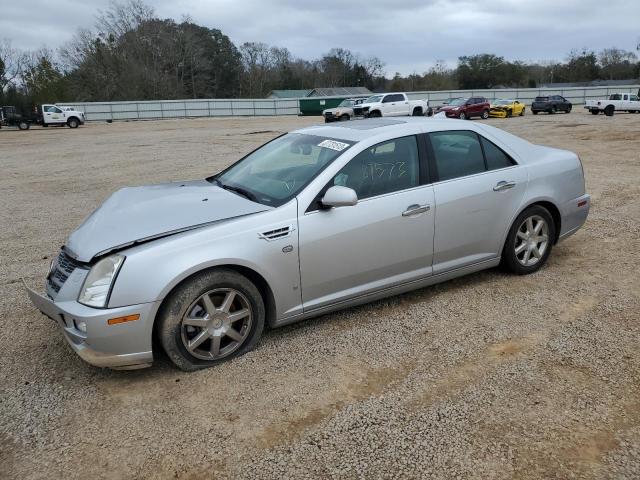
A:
(358, 130)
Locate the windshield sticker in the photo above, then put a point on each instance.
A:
(333, 145)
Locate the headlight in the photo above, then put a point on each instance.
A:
(97, 286)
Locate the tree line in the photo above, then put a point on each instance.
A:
(131, 54)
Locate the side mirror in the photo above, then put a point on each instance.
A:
(338, 196)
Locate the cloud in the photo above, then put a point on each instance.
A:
(408, 36)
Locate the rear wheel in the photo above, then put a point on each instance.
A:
(345, 117)
(485, 114)
(529, 242)
(23, 125)
(535, 112)
(522, 112)
(214, 316)
(554, 109)
(609, 110)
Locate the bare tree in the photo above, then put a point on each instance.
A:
(12, 63)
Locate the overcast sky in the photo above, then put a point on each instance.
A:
(408, 35)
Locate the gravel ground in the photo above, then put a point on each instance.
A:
(489, 376)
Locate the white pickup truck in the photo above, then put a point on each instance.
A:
(617, 102)
(392, 105)
(50, 114)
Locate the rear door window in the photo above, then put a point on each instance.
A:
(456, 154)
(495, 157)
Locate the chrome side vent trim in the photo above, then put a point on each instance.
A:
(276, 234)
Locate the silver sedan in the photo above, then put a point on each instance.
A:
(316, 220)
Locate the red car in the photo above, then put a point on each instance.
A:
(466, 108)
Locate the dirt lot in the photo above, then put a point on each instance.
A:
(489, 376)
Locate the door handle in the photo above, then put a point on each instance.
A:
(503, 185)
(415, 209)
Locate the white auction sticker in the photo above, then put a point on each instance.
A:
(333, 145)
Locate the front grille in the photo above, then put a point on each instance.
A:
(64, 266)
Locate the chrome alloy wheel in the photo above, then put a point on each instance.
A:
(216, 324)
(532, 240)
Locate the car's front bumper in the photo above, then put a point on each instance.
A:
(497, 113)
(120, 346)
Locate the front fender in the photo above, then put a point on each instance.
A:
(152, 270)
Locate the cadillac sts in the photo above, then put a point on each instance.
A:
(316, 220)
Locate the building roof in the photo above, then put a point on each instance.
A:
(339, 92)
(289, 93)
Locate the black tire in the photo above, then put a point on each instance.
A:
(326, 120)
(485, 114)
(73, 123)
(609, 110)
(554, 109)
(535, 112)
(375, 114)
(509, 261)
(594, 111)
(417, 112)
(522, 112)
(509, 113)
(23, 125)
(345, 117)
(183, 297)
(462, 116)
(568, 110)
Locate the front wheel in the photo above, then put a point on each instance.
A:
(345, 117)
(535, 112)
(462, 116)
(594, 111)
(417, 112)
(568, 110)
(23, 125)
(73, 123)
(216, 315)
(529, 242)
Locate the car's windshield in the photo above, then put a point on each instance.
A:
(277, 171)
(346, 103)
(373, 99)
(458, 101)
(541, 99)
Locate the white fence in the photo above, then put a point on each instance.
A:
(576, 95)
(160, 109)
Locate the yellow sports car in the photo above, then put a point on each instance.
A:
(506, 107)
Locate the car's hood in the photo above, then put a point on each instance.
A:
(139, 214)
